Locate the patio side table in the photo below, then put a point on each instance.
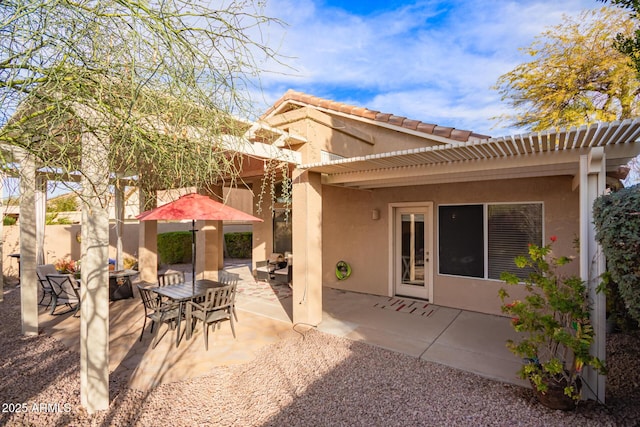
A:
(120, 284)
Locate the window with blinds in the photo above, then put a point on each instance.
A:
(511, 228)
(484, 240)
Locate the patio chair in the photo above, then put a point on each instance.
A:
(42, 271)
(227, 278)
(265, 269)
(66, 291)
(158, 311)
(170, 278)
(216, 308)
(284, 275)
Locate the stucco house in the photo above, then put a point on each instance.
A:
(415, 209)
(433, 212)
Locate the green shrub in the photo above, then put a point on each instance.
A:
(555, 333)
(9, 220)
(174, 247)
(53, 219)
(238, 244)
(617, 221)
(66, 203)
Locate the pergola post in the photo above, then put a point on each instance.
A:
(41, 209)
(94, 292)
(307, 247)
(118, 196)
(210, 244)
(2, 178)
(592, 262)
(28, 279)
(148, 240)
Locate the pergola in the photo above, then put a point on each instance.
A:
(588, 153)
(250, 149)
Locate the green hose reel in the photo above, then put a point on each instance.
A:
(343, 270)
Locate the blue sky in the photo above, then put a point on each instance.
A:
(432, 60)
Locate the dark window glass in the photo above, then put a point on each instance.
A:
(461, 249)
(282, 231)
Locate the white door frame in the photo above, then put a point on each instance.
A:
(428, 274)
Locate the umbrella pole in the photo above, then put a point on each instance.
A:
(193, 255)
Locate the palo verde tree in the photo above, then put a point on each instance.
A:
(130, 88)
(576, 76)
(160, 80)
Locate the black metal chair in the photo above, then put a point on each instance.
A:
(217, 307)
(47, 291)
(66, 291)
(265, 269)
(158, 311)
(284, 275)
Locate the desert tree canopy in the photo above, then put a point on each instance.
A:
(161, 80)
(629, 44)
(576, 76)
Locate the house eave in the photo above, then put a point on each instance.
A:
(533, 154)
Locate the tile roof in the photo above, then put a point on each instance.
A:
(377, 116)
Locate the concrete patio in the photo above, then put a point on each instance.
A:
(145, 367)
(461, 339)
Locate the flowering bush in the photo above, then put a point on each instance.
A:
(554, 321)
(67, 265)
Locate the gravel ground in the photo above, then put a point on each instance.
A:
(313, 379)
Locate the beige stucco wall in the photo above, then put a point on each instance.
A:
(60, 241)
(346, 137)
(350, 233)
(262, 231)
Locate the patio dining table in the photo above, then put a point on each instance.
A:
(183, 292)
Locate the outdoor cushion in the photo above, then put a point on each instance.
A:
(275, 258)
(283, 275)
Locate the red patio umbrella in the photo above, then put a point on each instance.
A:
(195, 207)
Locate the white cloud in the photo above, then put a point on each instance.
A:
(432, 60)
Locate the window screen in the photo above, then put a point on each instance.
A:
(461, 250)
(510, 229)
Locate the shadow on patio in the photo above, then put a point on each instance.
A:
(465, 340)
(303, 377)
(145, 368)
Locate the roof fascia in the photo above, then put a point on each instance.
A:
(260, 150)
(459, 177)
(282, 136)
(325, 119)
(421, 135)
